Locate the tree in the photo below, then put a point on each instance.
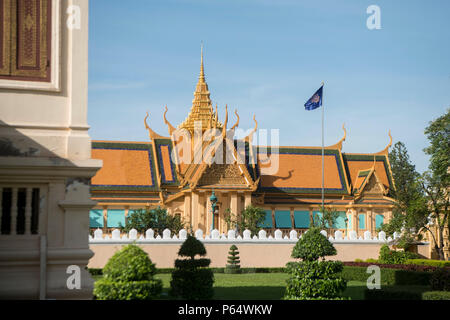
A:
(437, 208)
(409, 213)
(423, 200)
(326, 220)
(157, 219)
(311, 279)
(192, 279)
(233, 265)
(436, 182)
(251, 219)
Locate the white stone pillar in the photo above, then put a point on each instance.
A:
(234, 205)
(187, 208)
(29, 194)
(248, 200)
(14, 211)
(195, 211)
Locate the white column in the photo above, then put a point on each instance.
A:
(1, 203)
(208, 214)
(233, 205)
(248, 200)
(29, 194)
(14, 211)
(187, 209)
(194, 211)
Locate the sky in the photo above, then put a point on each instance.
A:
(267, 58)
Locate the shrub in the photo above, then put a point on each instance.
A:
(312, 246)
(191, 279)
(128, 275)
(389, 276)
(440, 280)
(436, 295)
(409, 267)
(426, 262)
(157, 219)
(392, 294)
(233, 265)
(395, 257)
(371, 261)
(312, 279)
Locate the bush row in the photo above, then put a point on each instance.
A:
(407, 267)
(427, 262)
(99, 271)
(402, 294)
(389, 276)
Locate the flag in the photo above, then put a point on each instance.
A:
(315, 101)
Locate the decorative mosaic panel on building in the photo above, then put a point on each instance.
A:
(5, 37)
(30, 39)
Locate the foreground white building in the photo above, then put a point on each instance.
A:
(45, 150)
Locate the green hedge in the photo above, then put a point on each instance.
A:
(405, 294)
(427, 262)
(388, 276)
(130, 290)
(436, 295)
(392, 294)
(98, 271)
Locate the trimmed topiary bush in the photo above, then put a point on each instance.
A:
(128, 275)
(312, 279)
(233, 265)
(192, 279)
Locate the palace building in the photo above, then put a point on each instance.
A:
(285, 181)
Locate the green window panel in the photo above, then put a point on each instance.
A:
(302, 219)
(340, 220)
(379, 220)
(283, 219)
(96, 219)
(116, 218)
(362, 221)
(267, 223)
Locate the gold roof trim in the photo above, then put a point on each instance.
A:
(152, 134)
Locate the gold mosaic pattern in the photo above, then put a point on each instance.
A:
(5, 37)
(29, 50)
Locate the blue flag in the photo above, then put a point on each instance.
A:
(315, 101)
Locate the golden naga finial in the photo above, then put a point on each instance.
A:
(170, 126)
(224, 129)
(250, 136)
(215, 118)
(152, 134)
(385, 151)
(339, 144)
(237, 121)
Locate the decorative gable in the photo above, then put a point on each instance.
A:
(373, 186)
(222, 174)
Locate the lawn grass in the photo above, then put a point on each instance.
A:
(262, 286)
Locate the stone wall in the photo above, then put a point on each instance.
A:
(257, 251)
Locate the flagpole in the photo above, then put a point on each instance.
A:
(323, 154)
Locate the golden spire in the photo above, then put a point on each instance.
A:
(202, 69)
(201, 109)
